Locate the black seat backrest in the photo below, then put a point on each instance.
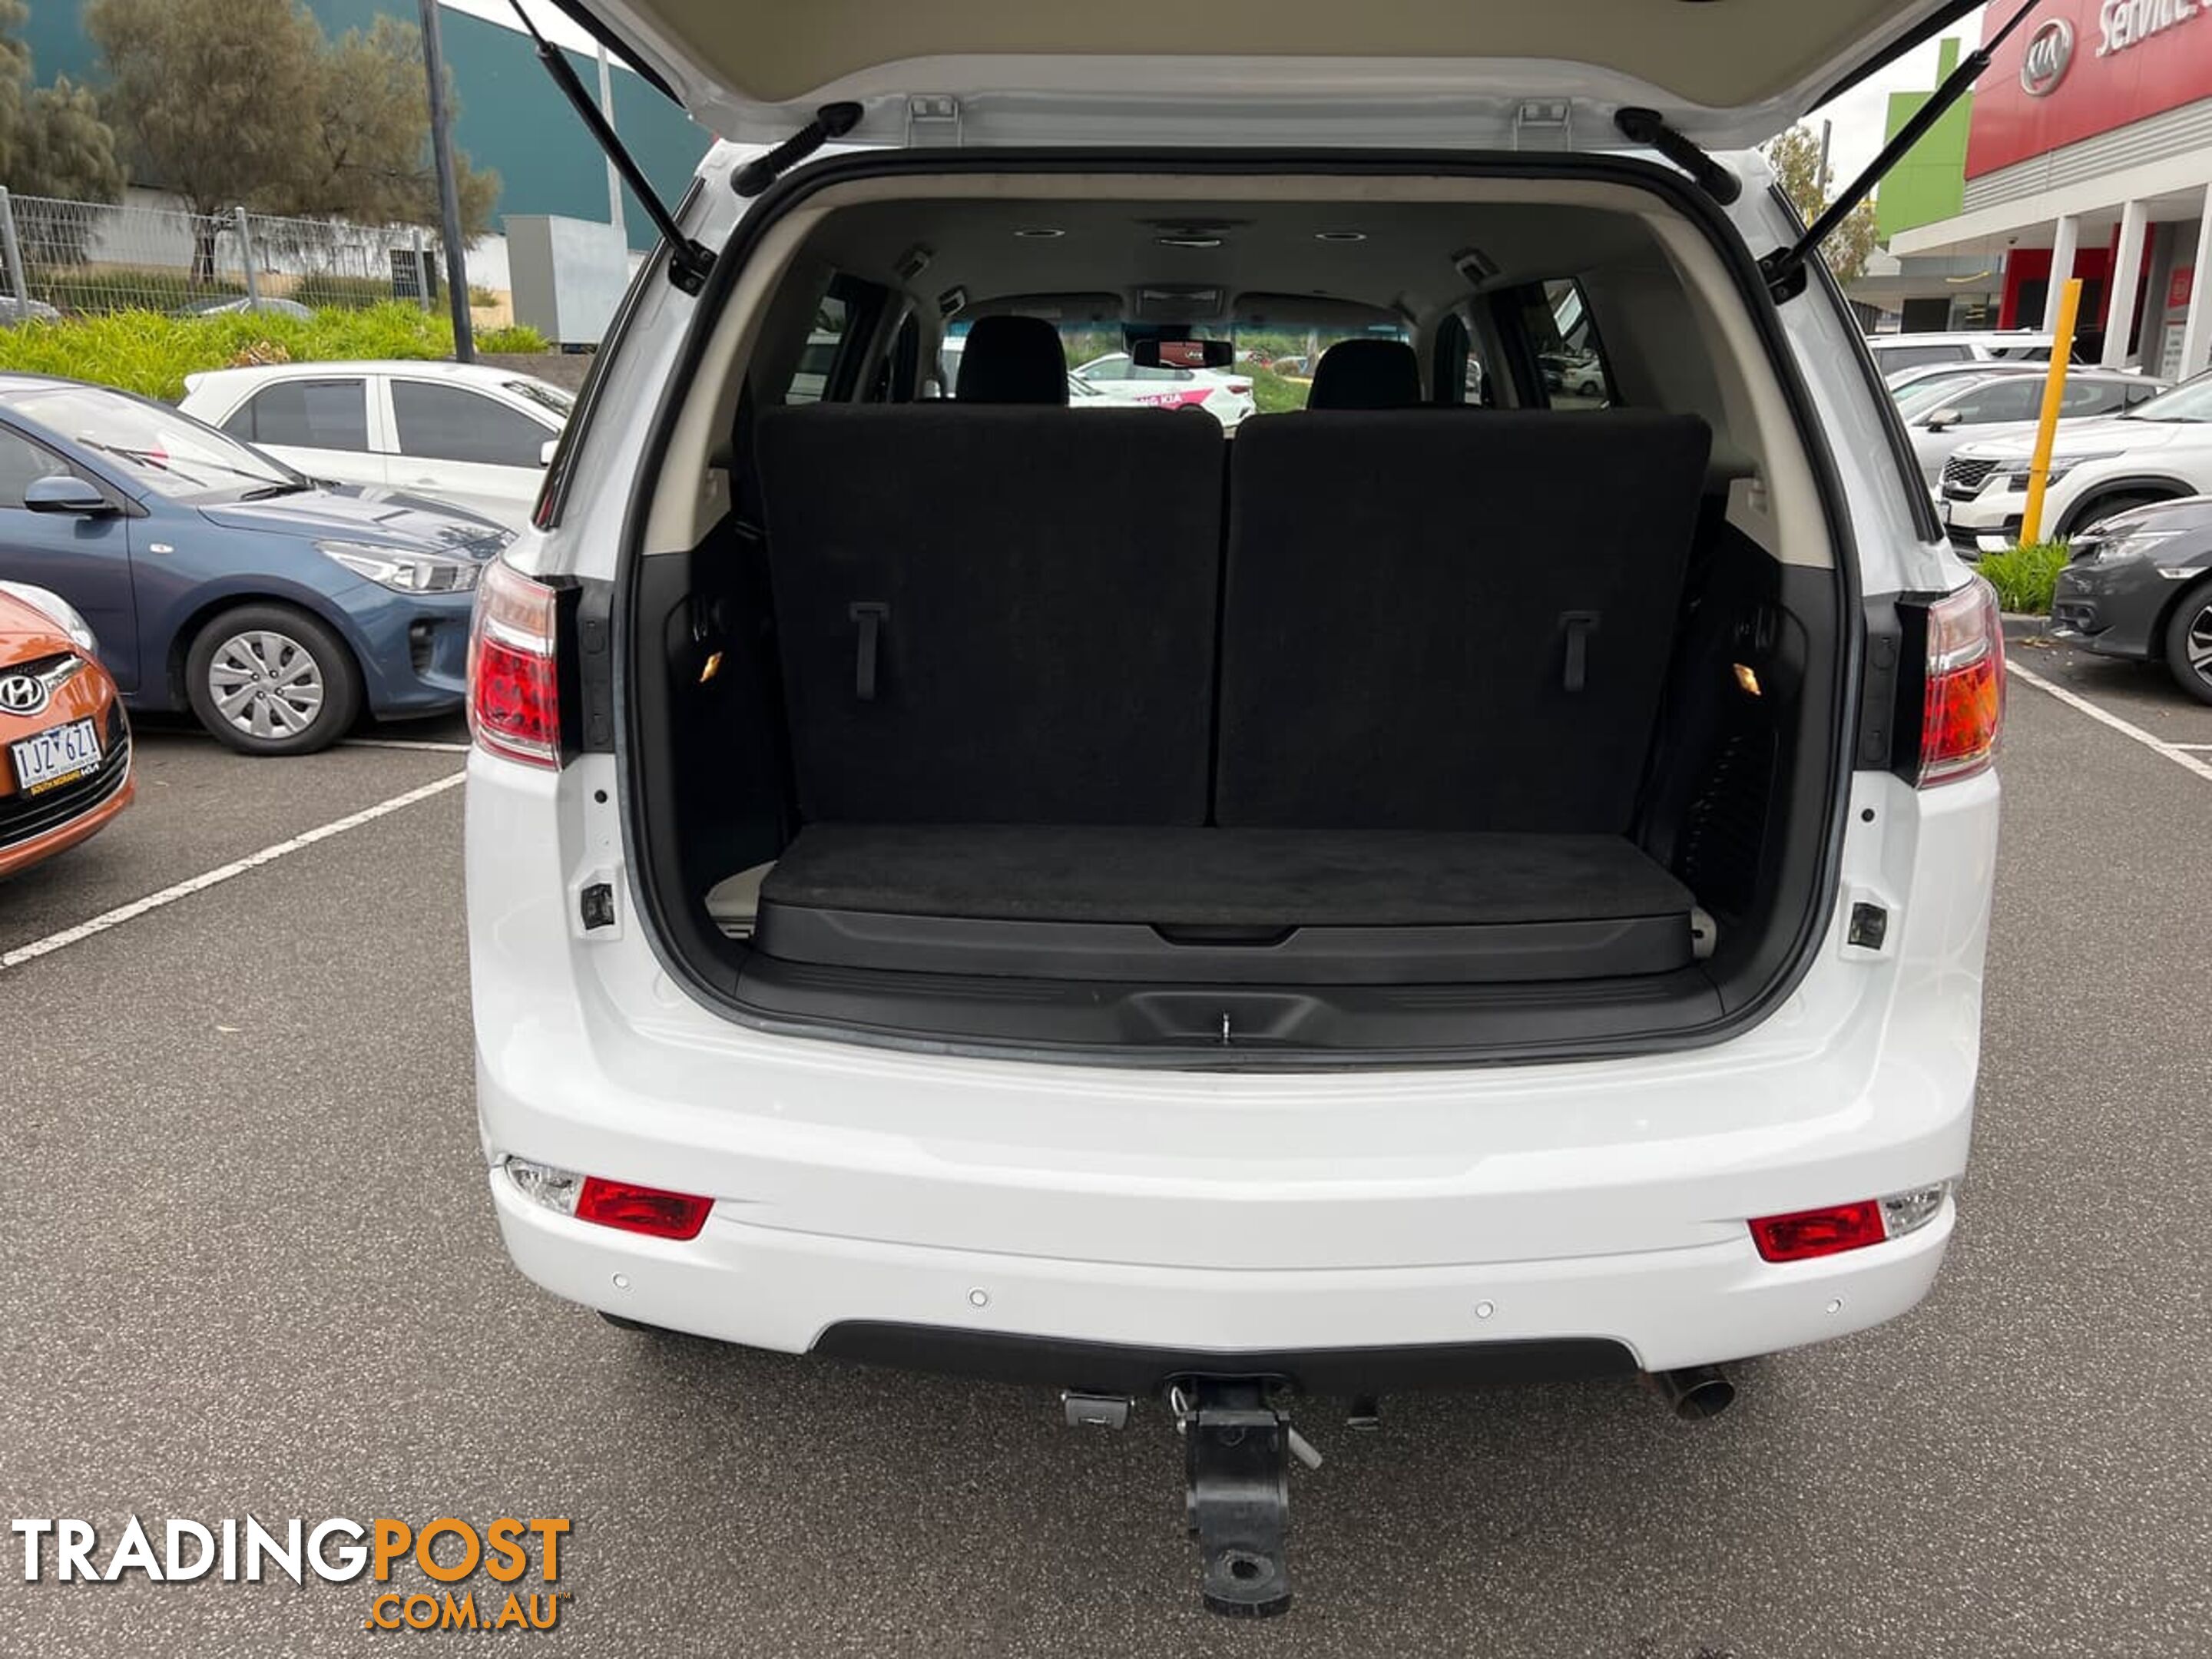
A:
(996, 614)
(1366, 374)
(1012, 359)
(1447, 624)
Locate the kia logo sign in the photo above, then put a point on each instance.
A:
(2050, 49)
(21, 693)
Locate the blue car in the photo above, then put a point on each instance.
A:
(217, 579)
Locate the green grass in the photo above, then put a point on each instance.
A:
(356, 293)
(1277, 394)
(2024, 576)
(515, 336)
(146, 352)
(77, 290)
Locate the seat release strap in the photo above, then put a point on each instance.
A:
(869, 616)
(1579, 626)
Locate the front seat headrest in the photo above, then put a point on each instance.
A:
(1366, 374)
(1012, 359)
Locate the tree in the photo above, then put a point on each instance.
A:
(209, 93)
(243, 102)
(52, 143)
(368, 157)
(64, 156)
(1795, 159)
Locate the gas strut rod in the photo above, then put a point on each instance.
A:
(1784, 267)
(831, 121)
(689, 262)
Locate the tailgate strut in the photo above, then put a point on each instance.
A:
(1784, 267)
(689, 262)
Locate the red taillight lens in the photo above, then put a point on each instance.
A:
(1963, 705)
(1819, 1232)
(647, 1210)
(1241, 388)
(515, 680)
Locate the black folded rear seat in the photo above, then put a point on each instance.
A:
(1211, 905)
(1441, 653)
(1450, 624)
(995, 613)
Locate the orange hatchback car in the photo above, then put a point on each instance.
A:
(62, 728)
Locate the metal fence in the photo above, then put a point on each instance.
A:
(71, 258)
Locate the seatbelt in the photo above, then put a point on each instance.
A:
(869, 617)
(1579, 626)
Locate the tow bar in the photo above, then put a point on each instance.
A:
(1237, 1446)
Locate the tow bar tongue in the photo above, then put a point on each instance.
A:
(1238, 1447)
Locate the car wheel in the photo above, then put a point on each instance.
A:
(2189, 642)
(267, 679)
(2098, 508)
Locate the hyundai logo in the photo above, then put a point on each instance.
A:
(2050, 49)
(21, 693)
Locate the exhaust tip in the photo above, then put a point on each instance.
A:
(1695, 1392)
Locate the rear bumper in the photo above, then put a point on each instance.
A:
(1245, 1214)
(1129, 1327)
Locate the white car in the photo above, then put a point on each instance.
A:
(1225, 394)
(2158, 451)
(1412, 895)
(470, 433)
(1942, 417)
(1894, 352)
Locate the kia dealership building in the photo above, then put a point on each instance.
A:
(2089, 155)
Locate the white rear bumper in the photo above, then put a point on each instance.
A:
(1231, 1211)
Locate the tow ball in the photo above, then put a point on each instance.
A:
(1236, 1450)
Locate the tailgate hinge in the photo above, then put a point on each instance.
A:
(933, 119)
(1544, 124)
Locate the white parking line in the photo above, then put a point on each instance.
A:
(2176, 752)
(426, 747)
(223, 873)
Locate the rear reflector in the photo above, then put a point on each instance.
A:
(648, 1209)
(1963, 704)
(514, 682)
(652, 1210)
(1804, 1234)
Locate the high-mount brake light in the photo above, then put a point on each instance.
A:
(1962, 700)
(515, 680)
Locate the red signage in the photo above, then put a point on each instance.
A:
(2079, 67)
(2178, 287)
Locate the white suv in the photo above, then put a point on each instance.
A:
(1414, 894)
(2161, 450)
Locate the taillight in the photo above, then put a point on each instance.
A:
(1241, 388)
(648, 1209)
(1962, 703)
(515, 680)
(623, 1204)
(1804, 1234)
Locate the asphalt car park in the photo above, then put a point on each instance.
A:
(251, 1270)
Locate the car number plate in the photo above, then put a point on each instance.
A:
(48, 759)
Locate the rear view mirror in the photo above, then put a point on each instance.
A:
(63, 492)
(545, 451)
(1944, 419)
(1182, 354)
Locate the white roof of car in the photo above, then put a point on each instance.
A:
(490, 376)
(1725, 74)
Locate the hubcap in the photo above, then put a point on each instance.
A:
(265, 684)
(2200, 644)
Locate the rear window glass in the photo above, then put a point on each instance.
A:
(305, 414)
(1571, 364)
(1892, 358)
(1274, 365)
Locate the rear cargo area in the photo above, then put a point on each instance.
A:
(1377, 725)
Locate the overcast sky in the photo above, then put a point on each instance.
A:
(1858, 114)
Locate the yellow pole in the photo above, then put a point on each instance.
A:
(2054, 392)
